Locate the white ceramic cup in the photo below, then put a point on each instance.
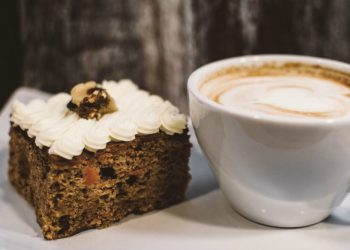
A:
(275, 171)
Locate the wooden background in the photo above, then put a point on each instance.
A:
(54, 44)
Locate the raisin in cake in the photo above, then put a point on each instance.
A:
(89, 159)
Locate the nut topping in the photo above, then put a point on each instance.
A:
(80, 91)
(90, 101)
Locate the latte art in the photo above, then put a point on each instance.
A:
(279, 94)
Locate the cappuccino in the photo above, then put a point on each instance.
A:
(293, 90)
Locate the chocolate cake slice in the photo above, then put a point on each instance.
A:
(83, 177)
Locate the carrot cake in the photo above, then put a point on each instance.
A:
(90, 158)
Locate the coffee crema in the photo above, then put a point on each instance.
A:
(290, 90)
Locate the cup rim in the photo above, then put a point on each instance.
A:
(197, 76)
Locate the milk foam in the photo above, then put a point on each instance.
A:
(293, 96)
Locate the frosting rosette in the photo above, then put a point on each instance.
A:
(172, 121)
(123, 128)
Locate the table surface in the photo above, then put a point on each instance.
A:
(204, 221)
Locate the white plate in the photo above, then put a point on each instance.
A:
(204, 221)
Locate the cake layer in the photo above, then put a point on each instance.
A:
(94, 190)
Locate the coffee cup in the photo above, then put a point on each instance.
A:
(281, 154)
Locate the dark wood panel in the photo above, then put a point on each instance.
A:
(10, 49)
(157, 43)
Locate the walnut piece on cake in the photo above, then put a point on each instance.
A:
(90, 101)
(81, 173)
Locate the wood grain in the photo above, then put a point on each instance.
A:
(157, 43)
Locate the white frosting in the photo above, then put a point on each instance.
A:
(67, 135)
(123, 128)
(172, 121)
(71, 142)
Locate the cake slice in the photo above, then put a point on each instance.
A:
(89, 159)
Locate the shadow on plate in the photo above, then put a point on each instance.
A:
(203, 180)
(213, 209)
(10, 196)
(339, 218)
(20, 206)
